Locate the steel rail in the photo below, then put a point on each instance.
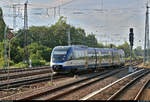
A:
(74, 88)
(26, 81)
(126, 86)
(23, 74)
(30, 81)
(17, 83)
(141, 90)
(100, 90)
(46, 90)
(23, 69)
(77, 87)
(35, 94)
(3, 71)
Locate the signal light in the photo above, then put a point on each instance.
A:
(131, 37)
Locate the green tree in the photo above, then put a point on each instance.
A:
(2, 25)
(91, 40)
(42, 39)
(1, 49)
(78, 36)
(39, 51)
(110, 45)
(126, 48)
(138, 51)
(16, 53)
(100, 45)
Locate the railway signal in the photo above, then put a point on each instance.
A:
(131, 40)
(131, 37)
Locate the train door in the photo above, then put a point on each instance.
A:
(99, 59)
(95, 58)
(112, 57)
(86, 58)
(110, 60)
(119, 58)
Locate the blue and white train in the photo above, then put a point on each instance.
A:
(79, 57)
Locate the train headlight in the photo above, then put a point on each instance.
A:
(68, 63)
(53, 59)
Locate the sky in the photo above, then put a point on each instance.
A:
(109, 20)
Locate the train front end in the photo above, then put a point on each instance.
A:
(59, 58)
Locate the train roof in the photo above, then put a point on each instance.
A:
(90, 48)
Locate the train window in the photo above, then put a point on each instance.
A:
(60, 52)
(76, 54)
(70, 57)
(79, 54)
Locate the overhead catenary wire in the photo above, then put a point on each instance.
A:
(109, 11)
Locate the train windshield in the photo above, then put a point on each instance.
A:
(59, 55)
(60, 52)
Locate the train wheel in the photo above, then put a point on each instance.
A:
(74, 71)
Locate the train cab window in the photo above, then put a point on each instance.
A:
(60, 51)
(70, 57)
(59, 55)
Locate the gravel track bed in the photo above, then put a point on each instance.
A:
(47, 86)
(104, 95)
(132, 91)
(86, 90)
(14, 70)
(30, 89)
(146, 93)
(34, 87)
(22, 74)
(21, 89)
(23, 78)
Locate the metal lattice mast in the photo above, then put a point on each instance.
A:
(147, 33)
(69, 39)
(146, 44)
(25, 32)
(5, 49)
(14, 17)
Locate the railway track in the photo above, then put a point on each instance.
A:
(26, 78)
(51, 90)
(12, 83)
(130, 91)
(69, 90)
(143, 93)
(49, 94)
(26, 81)
(12, 70)
(15, 75)
(115, 89)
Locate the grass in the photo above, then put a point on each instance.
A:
(22, 65)
(147, 65)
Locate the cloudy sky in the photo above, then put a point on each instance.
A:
(109, 20)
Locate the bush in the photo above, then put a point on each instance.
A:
(37, 62)
(43, 62)
(127, 59)
(21, 65)
(1, 62)
(11, 62)
(47, 64)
